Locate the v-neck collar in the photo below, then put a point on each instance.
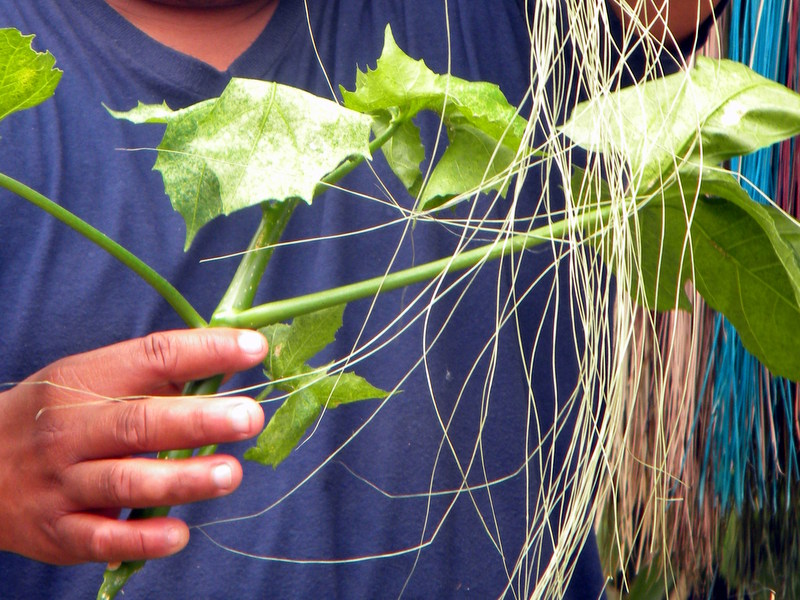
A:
(112, 33)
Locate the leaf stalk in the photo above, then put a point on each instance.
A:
(176, 300)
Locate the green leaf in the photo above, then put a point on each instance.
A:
(309, 390)
(400, 87)
(649, 583)
(472, 160)
(159, 113)
(404, 151)
(27, 77)
(745, 256)
(344, 388)
(742, 257)
(258, 141)
(748, 111)
(285, 429)
(291, 346)
(658, 122)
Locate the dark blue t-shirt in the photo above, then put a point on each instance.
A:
(385, 499)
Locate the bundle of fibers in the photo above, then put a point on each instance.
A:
(709, 483)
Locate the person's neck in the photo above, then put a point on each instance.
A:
(217, 36)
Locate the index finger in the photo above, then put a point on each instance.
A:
(159, 363)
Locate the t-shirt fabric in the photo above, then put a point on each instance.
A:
(385, 499)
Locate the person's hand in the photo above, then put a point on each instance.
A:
(69, 433)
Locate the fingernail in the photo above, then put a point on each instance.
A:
(251, 342)
(173, 536)
(239, 417)
(222, 476)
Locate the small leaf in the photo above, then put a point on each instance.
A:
(258, 141)
(649, 583)
(345, 388)
(308, 396)
(472, 160)
(400, 87)
(309, 389)
(27, 77)
(157, 113)
(291, 346)
(404, 152)
(285, 429)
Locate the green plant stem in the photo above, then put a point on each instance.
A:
(175, 299)
(239, 295)
(244, 284)
(281, 310)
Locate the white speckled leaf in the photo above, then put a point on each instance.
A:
(258, 141)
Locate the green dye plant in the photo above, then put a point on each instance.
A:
(268, 145)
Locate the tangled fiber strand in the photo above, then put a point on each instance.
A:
(656, 521)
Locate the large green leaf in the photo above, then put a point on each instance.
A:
(309, 390)
(27, 77)
(743, 257)
(695, 222)
(258, 141)
(655, 124)
(400, 87)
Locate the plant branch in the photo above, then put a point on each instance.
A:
(243, 286)
(282, 310)
(115, 578)
(239, 295)
(175, 299)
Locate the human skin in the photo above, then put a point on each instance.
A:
(73, 434)
(214, 31)
(668, 20)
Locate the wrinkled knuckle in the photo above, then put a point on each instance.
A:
(52, 430)
(160, 352)
(200, 424)
(117, 486)
(101, 544)
(57, 384)
(59, 373)
(49, 435)
(134, 429)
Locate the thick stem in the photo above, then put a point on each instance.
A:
(167, 291)
(243, 286)
(238, 297)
